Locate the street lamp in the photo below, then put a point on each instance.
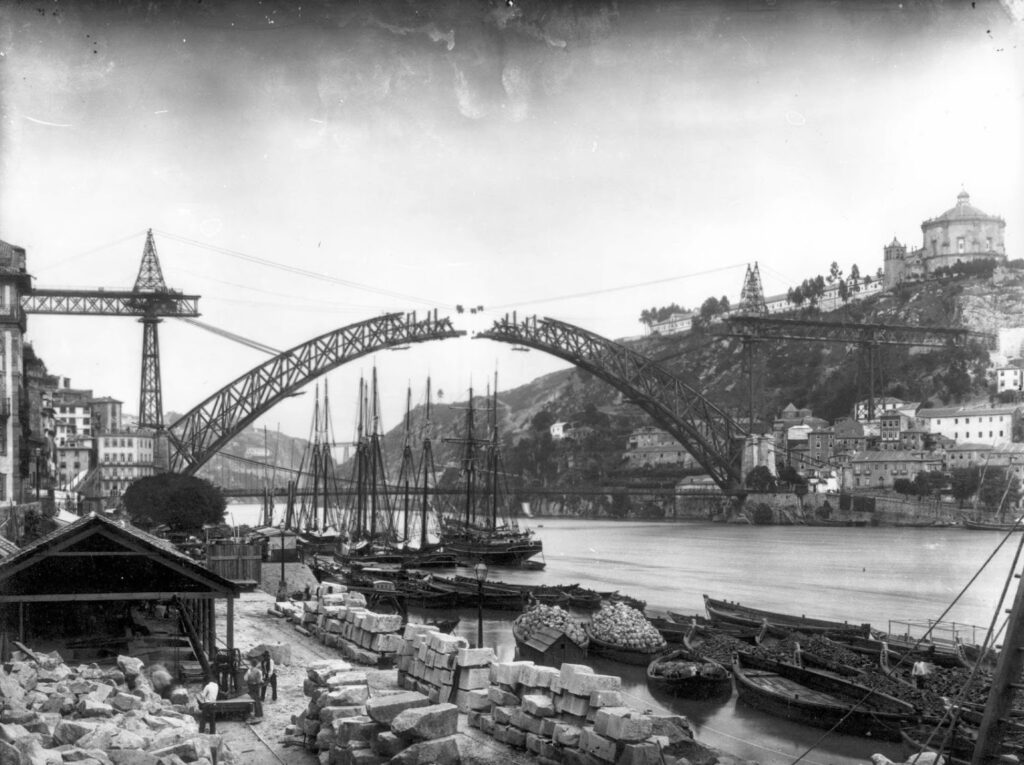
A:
(282, 590)
(480, 570)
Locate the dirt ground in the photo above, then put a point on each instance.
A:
(264, 743)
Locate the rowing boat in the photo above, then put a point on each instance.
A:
(682, 673)
(641, 656)
(734, 613)
(819, 699)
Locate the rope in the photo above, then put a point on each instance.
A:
(231, 336)
(921, 639)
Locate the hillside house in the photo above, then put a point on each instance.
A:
(675, 323)
(1009, 378)
(967, 455)
(653, 446)
(984, 425)
(880, 470)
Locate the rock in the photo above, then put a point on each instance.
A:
(9, 754)
(68, 731)
(87, 707)
(10, 688)
(281, 653)
(77, 754)
(329, 714)
(384, 709)
(427, 723)
(32, 753)
(131, 666)
(11, 732)
(442, 751)
(179, 696)
(129, 757)
(124, 702)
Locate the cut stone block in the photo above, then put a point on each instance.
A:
(475, 657)
(571, 704)
(329, 714)
(606, 698)
(643, 753)
(597, 745)
(584, 685)
(384, 709)
(427, 723)
(566, 735)
(538, 705)
(502, 697)
(442, 751)
(623, 724)
(508, 672)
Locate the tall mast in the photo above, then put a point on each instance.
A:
(325, 456)
(360, 464)
(427, 460)
(373, 459)
(407, 463)
(494, 454)
(469, 463)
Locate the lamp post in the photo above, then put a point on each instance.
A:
(480, 570)
(282, 590)
(35, 452)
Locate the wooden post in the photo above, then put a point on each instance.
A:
(211, 627)
(21, 622)
(1005, 683)
(230, 632)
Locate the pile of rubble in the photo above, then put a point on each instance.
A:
(345, 725)
(53, 713)
(440, 666)
(341, 620)
(573, 716)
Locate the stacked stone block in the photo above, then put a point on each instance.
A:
(573, 716)
(341, 620)
(440, 666)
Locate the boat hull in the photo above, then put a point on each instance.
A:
(708, 680)
(638, 657)
(734, 613)
(813, 698)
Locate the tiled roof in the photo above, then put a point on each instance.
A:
(7, 548)
(967, 411)
(963, 211)
(162, 547)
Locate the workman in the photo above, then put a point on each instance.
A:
(204, 702)
(254, 685)
(161, 681)
(920, 672)
(269, 669)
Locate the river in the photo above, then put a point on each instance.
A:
(856, 574)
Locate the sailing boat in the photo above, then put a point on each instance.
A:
(317, 519)
(482, 529)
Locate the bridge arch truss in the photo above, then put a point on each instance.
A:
(707, 432)
(199, 434)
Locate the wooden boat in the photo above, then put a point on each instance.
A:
(734, 613)
(968, 655)
(582, 598)
(819, 699)
(671, 630)
(816, 661)
(991, 525)
(468, 594)
(548, 595)
(682, 673)
(547, 645)
(639, 657)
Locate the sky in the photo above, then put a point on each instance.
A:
(309, 165)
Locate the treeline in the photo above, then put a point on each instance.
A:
(708, 310)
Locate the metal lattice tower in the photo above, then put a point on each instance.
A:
(752, 301)
(150, 299)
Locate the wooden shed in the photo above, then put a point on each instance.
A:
(278, 543)
(74, 584)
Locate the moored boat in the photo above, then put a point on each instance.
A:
(734, 613)
(967, 523)
(637, 656)
(819, 699)
(548, 635)
(682, 673)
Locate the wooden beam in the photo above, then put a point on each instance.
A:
(82, 596)
(101, 554)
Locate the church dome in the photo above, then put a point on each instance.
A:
(964, 210)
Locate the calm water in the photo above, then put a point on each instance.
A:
(854, 574)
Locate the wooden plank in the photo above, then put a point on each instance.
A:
(26, 650)
(86, 596)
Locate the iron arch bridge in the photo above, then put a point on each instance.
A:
(709, 434)
(713, 438)
(200, 433)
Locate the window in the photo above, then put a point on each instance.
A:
(960, 244)
(988, 244)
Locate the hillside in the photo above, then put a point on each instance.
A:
(827, 378)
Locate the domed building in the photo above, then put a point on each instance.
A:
(962, 233)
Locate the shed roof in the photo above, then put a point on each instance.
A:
(95, 558)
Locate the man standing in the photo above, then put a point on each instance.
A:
(254, 685)
(269, 669)
(204, 700)
(920, 673)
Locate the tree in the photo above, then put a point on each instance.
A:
(844, 290)
(183, 502)
(542, 421)
(964, 482)
(854, 273)
(760, 479)
(999, 490)
(904, 486)
(835, 273)
(709, 308)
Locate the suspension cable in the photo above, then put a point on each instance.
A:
(231, 336)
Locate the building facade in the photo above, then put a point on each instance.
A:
(653, 446)
(122, 458)
(982, 425)
(880, 470)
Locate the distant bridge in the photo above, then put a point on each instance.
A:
(709, 434)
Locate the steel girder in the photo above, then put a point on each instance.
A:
(200, 433)
(707, 432)
(110, 303)
(764, 327)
